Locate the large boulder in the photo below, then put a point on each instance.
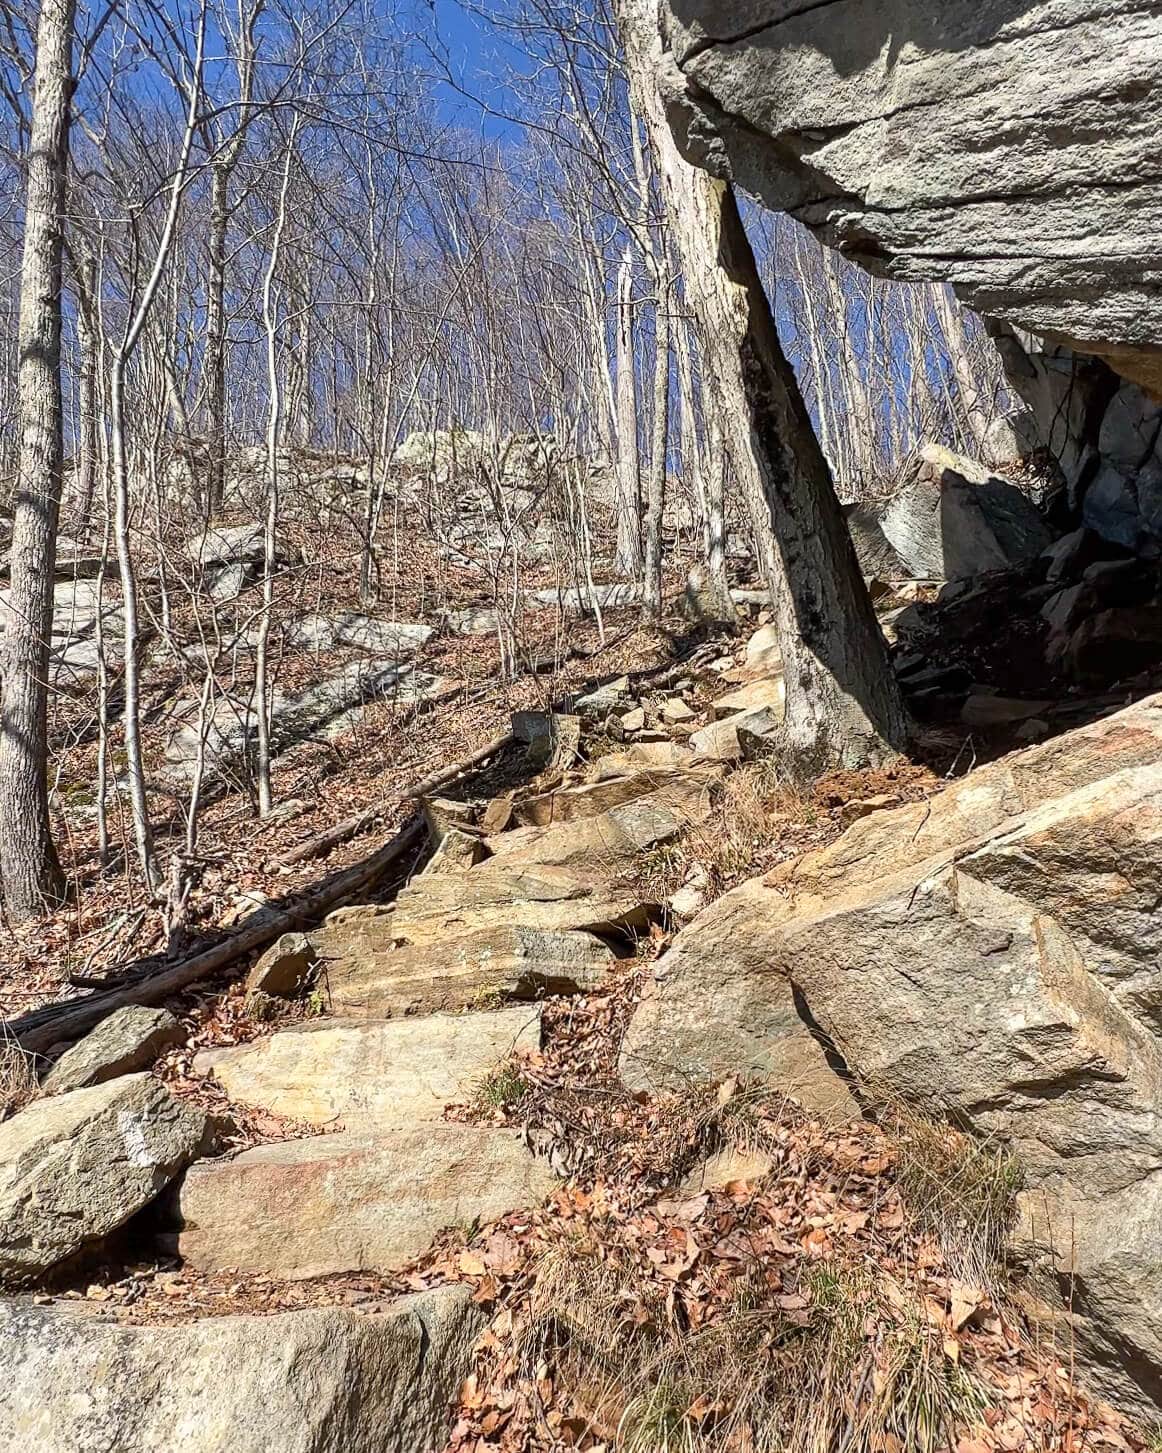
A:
(953, 142)
(300, 1382)
(352, 1201)
(75, 1167)
(372, 1076)
(993, 952)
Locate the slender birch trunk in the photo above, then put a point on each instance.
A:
(629, 485)
(30, 873)
(656, 493)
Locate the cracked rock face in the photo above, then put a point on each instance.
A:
(1009, 147)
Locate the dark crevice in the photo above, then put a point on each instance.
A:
(831, 1053)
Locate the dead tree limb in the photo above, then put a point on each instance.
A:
(42, 1028)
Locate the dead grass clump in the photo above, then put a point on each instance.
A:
(18, 1081)
(960, 1189)
(834, 1362)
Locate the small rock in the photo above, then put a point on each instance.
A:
(852, 811)
(676, 712)
(605, 699)
(129, 1040)
(763, 652)
(1032, 730)
(996, 711)
(497, 815)
(442, 815)
(634, 721)
(457, 851)
(285, 968)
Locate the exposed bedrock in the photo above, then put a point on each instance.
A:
(1012, 148)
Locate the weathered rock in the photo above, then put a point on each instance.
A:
(351, 1202)
(629, 761)
(129, 1040)
(633, 721)
(613, 838)
(372, 1077)
(604, 699)
(456, 851)
(1110, 507)
(397, 639)
(225, 544)
(928, 142)
(373, 971)
(726, 1166)
(728, 740)
(75, 1167)
(994, 952)
(764, 654)
(591, 799)
(285, 968)
(675, 712)
(985, 711)
(300, 1382)
(768, 691)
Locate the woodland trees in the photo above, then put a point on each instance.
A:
(273, 238)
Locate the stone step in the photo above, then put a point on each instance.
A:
(603, 844)
(368, 972)
(351, 1202)
(434, 907)
(300, 1382)
(372, 1077)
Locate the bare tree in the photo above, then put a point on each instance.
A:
(843, 704)
(29, 869)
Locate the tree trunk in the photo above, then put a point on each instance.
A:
(29, 870)
(216, 343)
(656, 500)
(629, 539)
(843, 704)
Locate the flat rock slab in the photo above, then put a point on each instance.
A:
(436, 907)
(767, 691)
(372, 1076)
(75, 1167)
(602, 844)
(129, 1040)
(299, 1382)
(591, 799)
(352, 1202)
(367, 972)
(363, 632)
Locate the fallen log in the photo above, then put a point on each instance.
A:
(352, 826)
(40, 1029)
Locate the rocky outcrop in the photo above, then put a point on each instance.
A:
(1008, 148)
(300, 1382)
(994, 952)
(75, 1167)
(351, 1202)
(368, 1076)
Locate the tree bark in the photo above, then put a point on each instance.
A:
(656, 488)
(629, 538)
(29, 870)
(843, 704)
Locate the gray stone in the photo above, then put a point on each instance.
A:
(604, 699)
(300, 1382)
(227, 544)
(75, 1167)
(352, 1202)
(285, 968)
(953, 142)
(376, 1076)
(397, 639)
(992, 951)
(1129, 429)
(1110, 508)
(129, 1040)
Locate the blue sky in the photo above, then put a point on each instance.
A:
(478, 59)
